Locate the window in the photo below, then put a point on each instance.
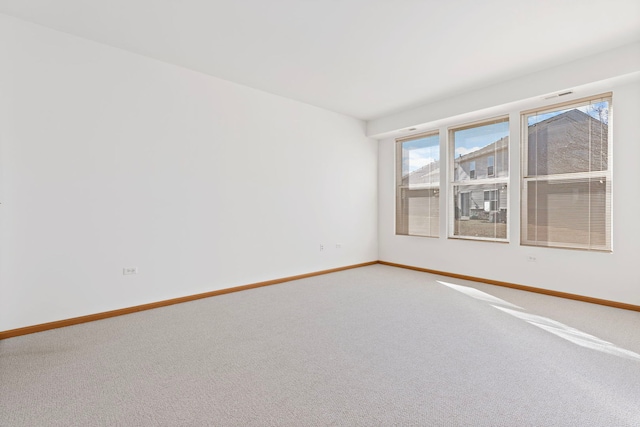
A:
(490, 200)
(566, 185)
(480, 175)
(418, 185)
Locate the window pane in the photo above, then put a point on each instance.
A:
(418, 187)
(568, 212)
(569, 140)
(421, 161)
(424, 213)
(481, 211)
(474, 146)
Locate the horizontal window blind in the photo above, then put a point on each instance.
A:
(566, 183)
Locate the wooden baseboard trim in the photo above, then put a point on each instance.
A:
(104, 315)
(566, 295)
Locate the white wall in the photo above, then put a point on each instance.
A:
(618, 62)
(611, 276)
(112, 160)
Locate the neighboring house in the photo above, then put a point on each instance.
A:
(575, 146)
(485, 201)
(424, 177)
(571, 142)
(491, 161)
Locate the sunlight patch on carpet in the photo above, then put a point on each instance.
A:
(477, 294)
(559, 329)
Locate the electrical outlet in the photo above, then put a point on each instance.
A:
(338, 245)
(321, 247)
(129, 270)
(531, 258)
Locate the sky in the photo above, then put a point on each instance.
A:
(420, 152)
(472, 139)
(594, 110)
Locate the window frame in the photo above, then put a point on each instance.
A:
(525, 178)
(474, 182)
(436, 188)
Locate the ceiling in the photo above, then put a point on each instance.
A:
(363, 58)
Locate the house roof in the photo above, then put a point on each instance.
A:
(573, 114)
(499, 145)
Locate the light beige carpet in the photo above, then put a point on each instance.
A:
(373, 346)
